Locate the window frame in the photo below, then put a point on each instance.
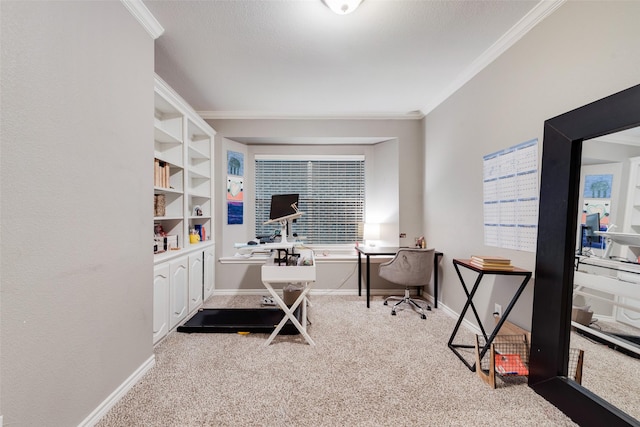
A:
(312, 158)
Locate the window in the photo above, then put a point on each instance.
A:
(331, 193)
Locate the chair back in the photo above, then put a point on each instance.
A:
(410, 267)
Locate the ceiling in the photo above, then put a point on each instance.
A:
(297, 59)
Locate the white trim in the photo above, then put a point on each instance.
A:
(144, 17)
(95, 416)
(309, 157)
(314, 291)
(522, 27)
(257, 115)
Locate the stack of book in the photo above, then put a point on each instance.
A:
(161, 174)
(491, 262)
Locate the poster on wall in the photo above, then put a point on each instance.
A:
(599, 206)
(510, 197)
(235, 183)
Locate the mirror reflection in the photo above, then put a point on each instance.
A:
(606, 296)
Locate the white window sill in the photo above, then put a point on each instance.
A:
(323, 254)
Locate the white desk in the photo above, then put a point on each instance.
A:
(623, 281)
(306, 274)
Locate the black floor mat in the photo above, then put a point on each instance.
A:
(633, 339)
(232, 320)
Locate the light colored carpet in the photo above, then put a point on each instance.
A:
(368, 369)
(610, 374)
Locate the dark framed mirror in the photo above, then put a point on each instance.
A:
(552, 303)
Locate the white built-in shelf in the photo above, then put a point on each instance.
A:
(167, 218)
(185, 142)
(158, 190)
(163, 137)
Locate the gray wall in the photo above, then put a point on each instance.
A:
(582, 52)
(397, 167)
(77, 132)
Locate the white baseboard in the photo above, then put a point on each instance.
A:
(118, 394)
(315, 291)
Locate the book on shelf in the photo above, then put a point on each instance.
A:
(161, 174)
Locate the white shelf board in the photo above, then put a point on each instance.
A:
(166, 190)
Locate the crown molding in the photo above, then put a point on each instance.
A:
(522, 27)
(255, 115)
(144, 16)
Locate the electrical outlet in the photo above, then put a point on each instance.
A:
(497, 309)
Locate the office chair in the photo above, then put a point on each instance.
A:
(409, 268)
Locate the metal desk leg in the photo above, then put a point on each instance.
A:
(359, 274)
(468, 304)
(368, 279)
(504, 316)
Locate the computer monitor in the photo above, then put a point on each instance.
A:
(283, 205)
(592, 224)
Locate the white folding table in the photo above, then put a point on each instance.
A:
(273, 273)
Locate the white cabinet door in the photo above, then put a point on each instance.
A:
(161, 282)
(178, 298)
(209, 271)
(195, 281)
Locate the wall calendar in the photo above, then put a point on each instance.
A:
(511, 198)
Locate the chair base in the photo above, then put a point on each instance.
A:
(407, 300)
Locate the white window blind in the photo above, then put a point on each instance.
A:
(331, 195)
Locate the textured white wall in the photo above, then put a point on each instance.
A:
(582, 52)
(77, 131)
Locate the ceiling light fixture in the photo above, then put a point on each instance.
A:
(342, 7)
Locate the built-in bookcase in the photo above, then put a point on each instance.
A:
(182, 170)
(183, 151)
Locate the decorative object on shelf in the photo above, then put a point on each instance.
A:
(159, 203)
(201, 231)
(194, 237)
(197, 210)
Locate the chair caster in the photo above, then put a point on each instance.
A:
(424, 316)
(428, 308)
(393, 313)
(385, 303)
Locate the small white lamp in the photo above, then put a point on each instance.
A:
(342, 7)
(371, 233)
